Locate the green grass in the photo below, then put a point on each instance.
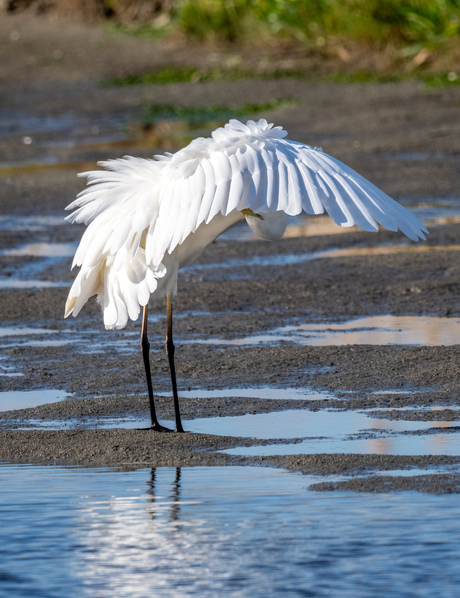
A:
(442, 79)
(367, 27)
(366, 77)
(169, 74)
(396, 29)
(402, 21)
(173, 74)
(430, 79)
(140, 30)
(205, 114)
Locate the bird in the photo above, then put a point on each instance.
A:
(148, 218)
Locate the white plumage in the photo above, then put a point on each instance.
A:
(149, 218)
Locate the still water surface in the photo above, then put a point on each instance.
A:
(371, 330)
(216, 532)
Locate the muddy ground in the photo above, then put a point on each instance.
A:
(57, 118)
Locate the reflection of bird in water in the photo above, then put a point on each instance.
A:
(150, 218)
(175, 494)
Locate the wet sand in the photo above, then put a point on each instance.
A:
(380, 130)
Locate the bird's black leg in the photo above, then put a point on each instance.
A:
(145, 347)
(170, 352)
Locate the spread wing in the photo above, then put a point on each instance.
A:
(253, 166)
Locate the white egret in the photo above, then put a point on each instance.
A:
(147, 219)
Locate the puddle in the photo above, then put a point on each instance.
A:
(430, 212)
(42, 250)
(18, 122)
(28, 275)
(287, 394)
(323, 431)
(433, 212)
(395, 392)
(421, 408)
(409, 473)
(316, 432)
(24, 331)
(300, 423)
(332, 432)
(31, 223)
(388, 250)
(6, 283)
(10, 374)
(83, 341)
(376, 330)
(292, 259)
(25, 399)
(46, 343)
(91, 340)
(429, 444)
(217, 531)
(7, 371)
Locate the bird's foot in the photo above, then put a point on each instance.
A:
(156, 428)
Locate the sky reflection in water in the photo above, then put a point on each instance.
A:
(215, 532)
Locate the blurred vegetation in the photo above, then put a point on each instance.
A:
(179, 74)
(173, 74)
(202, 114)
(413, 28)
(404, 21)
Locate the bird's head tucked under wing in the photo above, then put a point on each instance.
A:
(267, 225)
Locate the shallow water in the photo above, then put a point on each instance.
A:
(8, 370)
(42, 250)
(299, 423)
(332, 432)
(23, 331)
(11, 283)
(24, 399)
(30, 223)
(313, 432)
(375, 330)
(447, 443)
(242, 265)
(69, 126)
(264, 392)
(29, 274)
(215, 532)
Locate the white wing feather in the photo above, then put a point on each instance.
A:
(252, 166)
(118, 204)
(139, 211)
